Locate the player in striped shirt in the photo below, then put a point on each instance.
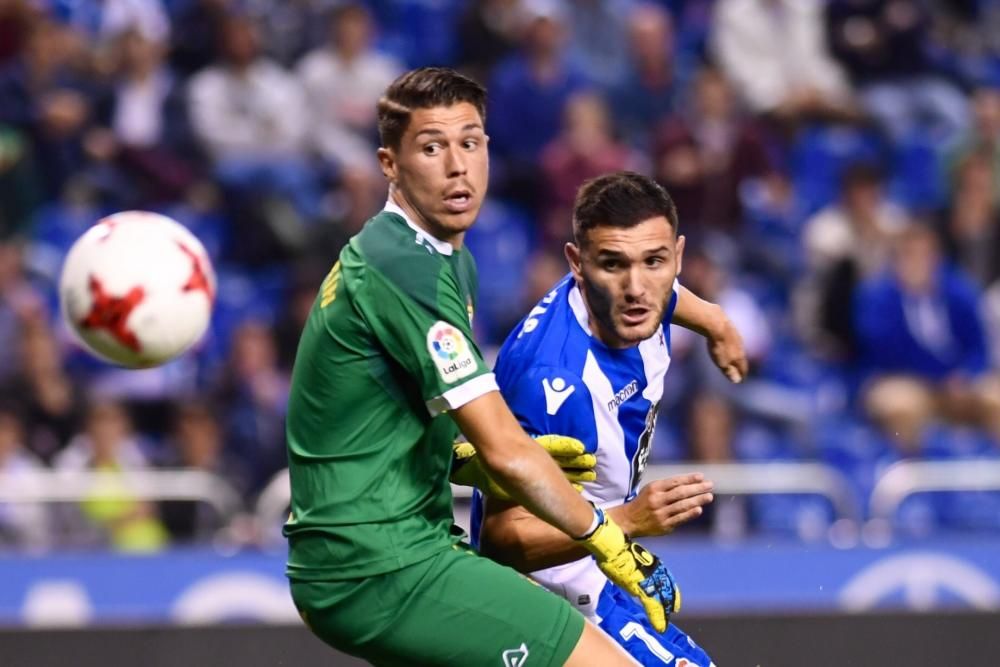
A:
(588, 362)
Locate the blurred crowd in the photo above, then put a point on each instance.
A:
(836, 166)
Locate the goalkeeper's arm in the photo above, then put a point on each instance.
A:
(533, 479)
(569, 453)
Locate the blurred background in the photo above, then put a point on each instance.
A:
(836, 166)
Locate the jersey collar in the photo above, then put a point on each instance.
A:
(579, 308)
(443, 247)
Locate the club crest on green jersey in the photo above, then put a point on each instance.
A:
(450, 351)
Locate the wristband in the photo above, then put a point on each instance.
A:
(598, 520)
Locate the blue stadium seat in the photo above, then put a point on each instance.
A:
(241, 296)
(917, 180)
(501, 241)
(820, 156)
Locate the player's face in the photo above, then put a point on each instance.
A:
(440, 172)
(627, 278)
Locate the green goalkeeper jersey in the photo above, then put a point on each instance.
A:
(386, 351)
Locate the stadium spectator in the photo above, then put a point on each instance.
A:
(710, 434)
(51, 401)
(16, 17)
(703, 156)
(846, 242)
(972, 222)
(922, 344)
(648, 90)
(597, 31)
(882, 44)
(775, 54)
(251, 117)
(343, 81)
(105, 20)
(20, 187)
(143, 127)
(47, 94)
(965, 39)
(196, 443)
(21, 305)
(298, 302)
(111, 515)
(195, 30)
(528, 94)
(585, 148)
(23, 525)
(707, 274)
(487, 33)
(983, 134)
(253, 396)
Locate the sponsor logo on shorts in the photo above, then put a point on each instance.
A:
(515, 657)
(450, 351)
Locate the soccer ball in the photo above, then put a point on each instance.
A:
(137, 289)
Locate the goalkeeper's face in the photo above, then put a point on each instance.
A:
(440, 171)
(627, 277)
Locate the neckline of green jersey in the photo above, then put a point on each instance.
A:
(442, 247)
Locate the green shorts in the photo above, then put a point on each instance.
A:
(455, 608)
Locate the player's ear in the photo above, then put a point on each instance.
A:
(387, 162)
(572, 253)
(679, 250)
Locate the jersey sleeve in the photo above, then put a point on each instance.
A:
(552, 401)
(428, 333)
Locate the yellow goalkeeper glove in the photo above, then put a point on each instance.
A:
(634, 568)
(569, 453)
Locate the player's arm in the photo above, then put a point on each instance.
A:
(522, 468)
(569, 454)
(725, 345)
(513, 536)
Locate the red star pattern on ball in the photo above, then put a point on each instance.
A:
(111, 313)
(198, 280)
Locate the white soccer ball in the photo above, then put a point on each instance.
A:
(137, 289)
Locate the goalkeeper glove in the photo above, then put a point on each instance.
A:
(569, 453)
(634, 568)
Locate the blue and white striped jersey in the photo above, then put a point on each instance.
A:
(558, 378)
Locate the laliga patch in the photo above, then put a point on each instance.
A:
(451, 352)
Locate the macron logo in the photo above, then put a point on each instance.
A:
(626, 393)
(556, 394)
(515, 657)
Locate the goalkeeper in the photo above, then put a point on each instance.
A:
(385, 375)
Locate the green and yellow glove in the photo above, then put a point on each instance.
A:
(634, 568)
(569, 453)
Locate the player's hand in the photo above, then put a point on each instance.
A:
(664, 504)
(569, 453)
(636, 569)
(725, 346)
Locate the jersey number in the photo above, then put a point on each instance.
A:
(633, 629)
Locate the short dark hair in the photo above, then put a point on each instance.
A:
(424, 88)
(861, 174)
(620, 199)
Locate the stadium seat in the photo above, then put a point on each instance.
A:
(820, 156)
